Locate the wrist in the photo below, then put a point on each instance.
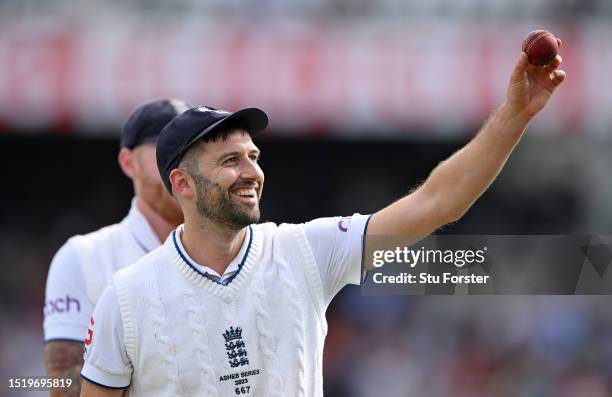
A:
(511, 114)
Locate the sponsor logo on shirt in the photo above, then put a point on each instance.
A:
(89, 338)
(343, 224)
(89, 332)
(62, 305)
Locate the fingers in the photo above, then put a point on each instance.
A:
(518, 74)
(559, 42)
(558, 77)
(554, 64)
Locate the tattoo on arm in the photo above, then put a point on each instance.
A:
(64, 359)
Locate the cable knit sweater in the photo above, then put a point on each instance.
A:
(260, 335)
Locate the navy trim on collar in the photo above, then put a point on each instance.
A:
(208, 276)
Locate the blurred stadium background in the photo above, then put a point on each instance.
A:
(365, 98)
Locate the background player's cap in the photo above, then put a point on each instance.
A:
(146, 122)
(187, 128)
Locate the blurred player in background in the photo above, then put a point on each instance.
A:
(227, 306)
(84, 265)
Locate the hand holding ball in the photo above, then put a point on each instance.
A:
(536, 74)
(541, 47)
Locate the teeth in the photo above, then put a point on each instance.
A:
(245, 192)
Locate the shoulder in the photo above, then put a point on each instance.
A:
(66, 258)
(272, 229)
(320, 228)
(106, 237)
(267, 228)
(144, 265)
(103, 247)
(107, 250)
(272, 234)
(78, 244)
(336, 228)
(65, 272)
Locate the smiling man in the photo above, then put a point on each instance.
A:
(228, 306)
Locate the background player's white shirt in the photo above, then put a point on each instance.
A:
(337, 247)
(69, 298)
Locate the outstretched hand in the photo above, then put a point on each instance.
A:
(532, 86)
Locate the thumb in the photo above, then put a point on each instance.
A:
(519, 69)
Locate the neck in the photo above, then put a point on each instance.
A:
(160, 226)
(212, 245)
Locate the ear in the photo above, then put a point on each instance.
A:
(181, 182)
(127, 162)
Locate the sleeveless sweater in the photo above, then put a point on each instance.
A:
(260, 335)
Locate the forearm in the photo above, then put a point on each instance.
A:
(64, 360)
(457, 182)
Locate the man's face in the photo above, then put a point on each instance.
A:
(150, 186)
(229, 181)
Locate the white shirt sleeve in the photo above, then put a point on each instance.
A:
(337, 247)
(67, 307)
(106, 361)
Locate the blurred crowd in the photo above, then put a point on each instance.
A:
(438, 346)
(322, 9)
(537, 346)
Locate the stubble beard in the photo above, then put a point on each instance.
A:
(215, 204)
(157, 197)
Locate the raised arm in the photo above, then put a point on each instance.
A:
(456, 183)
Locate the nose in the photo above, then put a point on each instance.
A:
(251, 170)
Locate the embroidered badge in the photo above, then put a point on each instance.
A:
(236, 351)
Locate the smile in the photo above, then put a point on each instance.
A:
(245, 194)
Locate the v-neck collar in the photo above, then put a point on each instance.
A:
(224, 290)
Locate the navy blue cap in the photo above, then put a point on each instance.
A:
(146, 122)
(193, 124)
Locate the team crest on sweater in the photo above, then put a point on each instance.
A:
(236, 349)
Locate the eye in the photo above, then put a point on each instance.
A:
(255, 157)
(230, 160)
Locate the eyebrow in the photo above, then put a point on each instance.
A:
(234, 153)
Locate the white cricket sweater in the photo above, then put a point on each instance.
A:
(260, 335)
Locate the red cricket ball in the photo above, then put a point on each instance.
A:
(541, 47)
